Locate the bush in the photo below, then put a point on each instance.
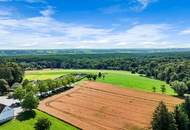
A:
(163, 89)
(42, 124)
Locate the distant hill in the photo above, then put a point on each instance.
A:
(86, 51)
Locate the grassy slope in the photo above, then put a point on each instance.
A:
(29, 123)
(135, 81)
(120, 78)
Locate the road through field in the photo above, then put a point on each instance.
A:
(99, 106)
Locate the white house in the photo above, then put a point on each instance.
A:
(6, 113)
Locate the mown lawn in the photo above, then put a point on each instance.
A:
(27, 122)
(121, 78)
(135, 81)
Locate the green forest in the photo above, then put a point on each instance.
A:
(171, 67)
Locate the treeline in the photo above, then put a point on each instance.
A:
(10, 73)
(45, 88)
(86, 51)
(167, 67)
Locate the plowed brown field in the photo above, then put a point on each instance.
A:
(98, 106)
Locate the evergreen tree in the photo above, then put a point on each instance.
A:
(163, 119)
(182, 120)
(99, 75)
(187, 106)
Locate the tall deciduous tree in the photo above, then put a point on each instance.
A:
(179, 87)
(4, 86)
(19, 93)
(30, 101)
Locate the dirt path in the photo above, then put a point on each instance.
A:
(98, 106)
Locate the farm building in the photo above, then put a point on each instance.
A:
(6, 113)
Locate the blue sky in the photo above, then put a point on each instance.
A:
(59, 24)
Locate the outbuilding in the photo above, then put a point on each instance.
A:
(6, 113)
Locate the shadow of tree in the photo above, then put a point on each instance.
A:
(26, 115)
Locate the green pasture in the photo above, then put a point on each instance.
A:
(120, 78)
(27, 121)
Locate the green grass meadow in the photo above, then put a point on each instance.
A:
(28, 123)
(120, 78)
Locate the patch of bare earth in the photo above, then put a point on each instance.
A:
(99, 106)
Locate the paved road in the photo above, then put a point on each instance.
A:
(9, 102)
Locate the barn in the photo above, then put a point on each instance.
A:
(6, 113)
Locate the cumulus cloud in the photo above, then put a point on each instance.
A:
(44, 32)
(185, 32)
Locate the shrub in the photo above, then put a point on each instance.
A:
(42, 124)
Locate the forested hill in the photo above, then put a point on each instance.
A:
(168, 66)
(165, 66)
(86, 51)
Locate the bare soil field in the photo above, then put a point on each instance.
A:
(99, 106)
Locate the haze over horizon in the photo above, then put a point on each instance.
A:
(97, 24)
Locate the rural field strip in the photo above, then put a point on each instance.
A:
(104, 103)
(125, 95)
(89, 108)
(105, 98)
(90, 121)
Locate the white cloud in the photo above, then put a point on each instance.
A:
(4, 12)
(144, 3)
(47, 12)
(140, 5)
(46, 32)
(113, 9)
(185, 32)
(127, 5)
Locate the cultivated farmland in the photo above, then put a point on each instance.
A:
(93, 105)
